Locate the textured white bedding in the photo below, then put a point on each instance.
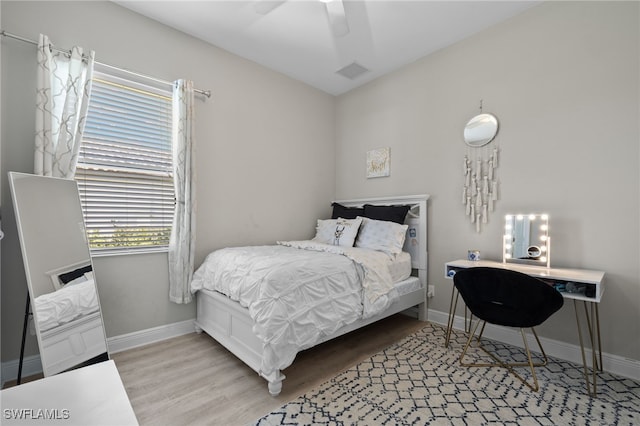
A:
(62, 306)
(405, 287)
(400, 267)
(298, 292)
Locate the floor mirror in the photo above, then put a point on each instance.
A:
(61, 283)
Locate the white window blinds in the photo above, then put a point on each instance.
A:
(125, 171)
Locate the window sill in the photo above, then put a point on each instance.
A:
(124, 252)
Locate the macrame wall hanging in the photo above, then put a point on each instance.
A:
(479, 167)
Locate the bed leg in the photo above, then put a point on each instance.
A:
(422, 311)
(275, 388)
(275, 385)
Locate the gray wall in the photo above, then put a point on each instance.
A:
(265, 152)
(562, 79)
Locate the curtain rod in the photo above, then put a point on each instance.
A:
(206, 93)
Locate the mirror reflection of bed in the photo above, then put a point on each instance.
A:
(60, 277)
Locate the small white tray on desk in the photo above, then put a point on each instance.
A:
(92, 395)
(553, 275)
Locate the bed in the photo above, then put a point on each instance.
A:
(267, 303)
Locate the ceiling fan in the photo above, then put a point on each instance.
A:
(335, 13)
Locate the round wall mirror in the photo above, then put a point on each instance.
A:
(480, 130)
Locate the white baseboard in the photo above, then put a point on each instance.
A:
(151, 335)
(611, 363)
(32, 365)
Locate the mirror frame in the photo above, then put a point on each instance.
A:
(508, 239)
(480, 130)
(42, 229)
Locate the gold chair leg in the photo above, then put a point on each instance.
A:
(469, 339)
(544, 355)
(535, 386)
(509, 366)
(484, 324)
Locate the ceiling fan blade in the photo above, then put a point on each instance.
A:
(337, 17)
(262, 7)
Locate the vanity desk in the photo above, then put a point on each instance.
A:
(587, 286)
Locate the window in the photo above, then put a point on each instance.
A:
(125, 171)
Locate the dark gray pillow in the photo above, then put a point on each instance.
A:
(346, 212)
(395, 214)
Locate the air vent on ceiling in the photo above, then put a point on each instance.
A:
(352, 71)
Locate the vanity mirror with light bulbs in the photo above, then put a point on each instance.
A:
(526, 239)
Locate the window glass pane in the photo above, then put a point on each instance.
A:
(125, 171)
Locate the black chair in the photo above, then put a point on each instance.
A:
(507, 298)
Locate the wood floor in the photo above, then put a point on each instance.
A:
(192, 380)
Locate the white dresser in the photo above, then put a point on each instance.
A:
(92, 395)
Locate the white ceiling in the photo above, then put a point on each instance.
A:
(295, 37)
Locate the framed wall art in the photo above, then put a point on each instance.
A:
(378, 162)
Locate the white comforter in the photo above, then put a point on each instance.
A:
(65, 305)
(298, 292)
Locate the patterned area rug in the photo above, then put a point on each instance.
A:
(417, 381)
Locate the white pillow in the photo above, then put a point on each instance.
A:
(381, 235)
(337, 232)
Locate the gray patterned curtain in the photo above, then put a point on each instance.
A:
(182, 242)
(63, 88)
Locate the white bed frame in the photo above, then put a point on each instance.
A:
(230, 324)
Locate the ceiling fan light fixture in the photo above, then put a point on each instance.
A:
(337, 17)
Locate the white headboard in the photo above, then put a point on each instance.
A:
(416, 242)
